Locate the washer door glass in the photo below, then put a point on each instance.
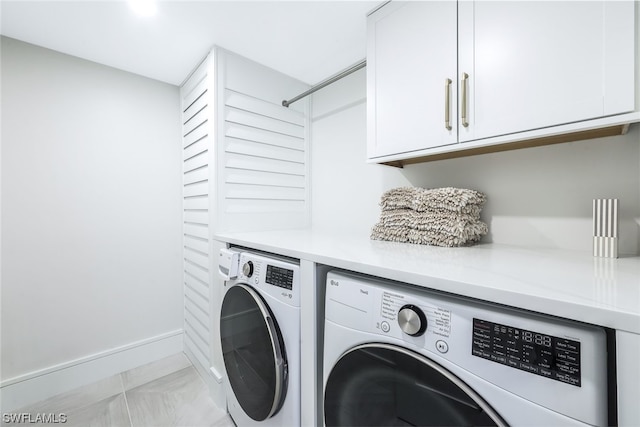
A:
(384, 385)
(254, 353)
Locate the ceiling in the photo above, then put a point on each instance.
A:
(308, 40)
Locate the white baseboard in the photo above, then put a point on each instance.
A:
(35, 386)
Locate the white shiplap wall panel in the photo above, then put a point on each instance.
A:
(198, 146)
(195, 283)
(247, 118)
(235, 130)
(195, 122)
(255, 163)
(196, 216)
(198, 258)
(194, 344)
(196, 302)
(249, 206)
(196, 189)
(196, 202)
(196, 86)
(196, 175)
(197, 243)
(196, 107)
(196, 162)
(197, 230)
(194, 266)
(257, 149)
(245, 102)
(197, 198)
(264, 150)
(198, 319)
(198, 292)
(261, 192)
(194, 136)
(233, 176)
(196, 271)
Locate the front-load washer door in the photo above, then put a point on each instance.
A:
(385, 385)
(254, 353)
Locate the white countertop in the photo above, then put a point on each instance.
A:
(569, 284)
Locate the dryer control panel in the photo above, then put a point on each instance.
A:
(544, 355)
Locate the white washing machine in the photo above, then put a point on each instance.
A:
(260, 337)
(398, 355)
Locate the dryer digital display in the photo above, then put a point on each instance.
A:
(280, 277)
(540, 354)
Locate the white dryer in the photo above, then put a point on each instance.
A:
(399, 355)
(260, 338)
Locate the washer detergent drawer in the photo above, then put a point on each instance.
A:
(558, 364)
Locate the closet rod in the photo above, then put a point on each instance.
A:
(327, 82)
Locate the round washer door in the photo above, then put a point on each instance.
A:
(254, 353)
(385, 385)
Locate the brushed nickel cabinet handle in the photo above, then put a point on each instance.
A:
(463, 83)
(447, 100)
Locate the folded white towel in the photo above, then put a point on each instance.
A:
(430, 237)
(428, 219)
(440, 216)
(421, 199)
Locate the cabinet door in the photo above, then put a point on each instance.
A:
(534, 64)
(411, 51)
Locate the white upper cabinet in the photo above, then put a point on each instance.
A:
(411, 53)
(519, 69)
(538, 64)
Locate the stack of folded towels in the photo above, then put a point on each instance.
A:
(440, 216)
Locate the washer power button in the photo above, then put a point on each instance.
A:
(442, 346)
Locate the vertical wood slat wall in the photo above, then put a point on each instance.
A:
(245, 167)
(197, 195)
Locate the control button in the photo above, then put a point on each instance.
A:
(385, 326)
(412, 320)
(247, 268)
(442, 346)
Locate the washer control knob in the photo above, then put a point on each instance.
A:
(412, 320)
(247, 268)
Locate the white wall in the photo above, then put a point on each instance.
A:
(539, 197)
(91, 209)
(344, 189)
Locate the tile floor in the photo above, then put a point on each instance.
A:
(168, 392)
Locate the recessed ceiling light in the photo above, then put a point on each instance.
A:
(144, 7)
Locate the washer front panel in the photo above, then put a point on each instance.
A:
(371, 306)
